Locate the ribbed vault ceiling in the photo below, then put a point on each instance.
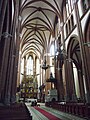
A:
(37, 24)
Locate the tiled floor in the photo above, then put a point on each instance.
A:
(38, 116)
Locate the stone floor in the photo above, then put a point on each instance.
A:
(38, 116)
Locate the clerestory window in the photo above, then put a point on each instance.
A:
(85, 4)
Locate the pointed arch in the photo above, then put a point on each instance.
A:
(75, 65)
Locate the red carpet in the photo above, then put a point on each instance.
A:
(46, 114)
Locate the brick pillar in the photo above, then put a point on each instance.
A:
(66, 72)
(11, 76)
(48, 84)
(81, 85)
(5, 55)
(70, 78)
(15, 68)
(1, 1)
(3, 6)
(85, 61)
(65, 68)
(60, 84)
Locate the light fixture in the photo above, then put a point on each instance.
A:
(44, 66)
(62, 53)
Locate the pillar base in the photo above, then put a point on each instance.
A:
(61, 98)
(67, 99)
(87, 96)
(13, 99)
(74, 98)
(7, 100)
(1, 104)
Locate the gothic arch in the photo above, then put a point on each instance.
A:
(75, 66)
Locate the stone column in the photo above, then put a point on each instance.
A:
(65, 64)
(81, 85)
(1, 1)
(25, 62)
(70, 78)
(15, 66)
(2, 14)
(67, 96)
(11, 64)
(60, 85)
(48, 84)
(3, 5)
(85, 65)
(5, 57)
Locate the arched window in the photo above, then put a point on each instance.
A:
(64, 13)
(52, 50)
(66, 30)
(30, 66)
(72, 21)
(52, 53)
(59, 40)
(69, 26)
(85, 4)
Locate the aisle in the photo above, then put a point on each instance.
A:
(50, 116)
(45, 113)
(36, 115)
